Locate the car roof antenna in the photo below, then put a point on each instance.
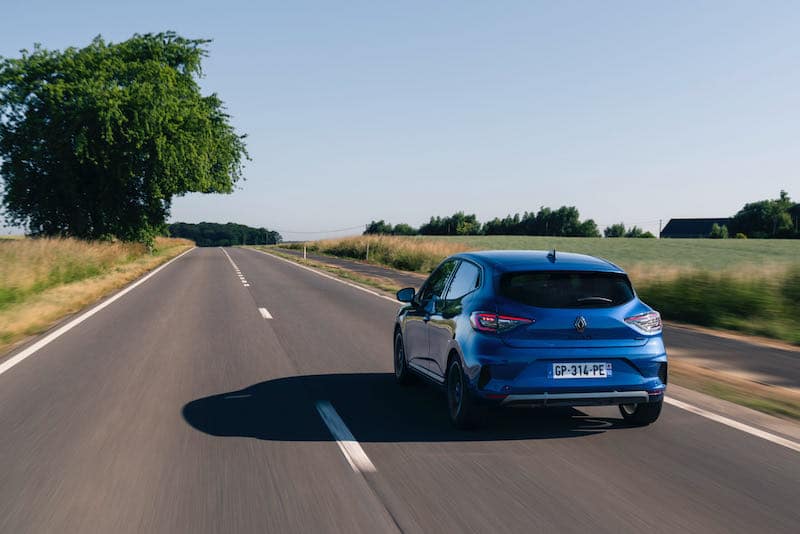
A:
(552, 255)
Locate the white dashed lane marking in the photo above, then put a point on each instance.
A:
(242, 279)
(351, 449)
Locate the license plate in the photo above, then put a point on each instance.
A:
(582, 370)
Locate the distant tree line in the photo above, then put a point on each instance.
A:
(207, 234)
(776, 218)
(564, 221)
(382, 227)
(619, 230)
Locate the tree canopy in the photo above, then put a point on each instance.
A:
(767, 218)
(384, 228)
(457, 224)
(619, 230)
(96, 141)
(564, 221)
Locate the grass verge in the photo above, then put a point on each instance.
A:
(43, 280)
(373, 281)
(773, 400)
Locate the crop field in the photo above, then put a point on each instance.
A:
(707, 254)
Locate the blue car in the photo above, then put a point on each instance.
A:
(503, 328)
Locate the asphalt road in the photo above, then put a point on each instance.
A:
(181, 408)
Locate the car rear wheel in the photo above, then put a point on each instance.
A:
(641, 414)
(401, 371)
(462, 408)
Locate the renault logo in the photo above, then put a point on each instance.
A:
(580, 324)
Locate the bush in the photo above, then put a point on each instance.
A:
(704, 298)
(718, 232)
(740, 235)
(759, 305)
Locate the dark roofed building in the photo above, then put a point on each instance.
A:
(692, 228)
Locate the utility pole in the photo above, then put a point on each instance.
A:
(659, 228)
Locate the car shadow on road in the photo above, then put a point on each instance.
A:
(375, 409)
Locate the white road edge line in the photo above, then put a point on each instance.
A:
(49, 338)
(674, 402)
(351, 449)
(325, 275)
(264, 313)
(789, 444)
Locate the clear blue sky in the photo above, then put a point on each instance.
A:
(631, 111)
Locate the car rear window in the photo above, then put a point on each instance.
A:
(559, 289)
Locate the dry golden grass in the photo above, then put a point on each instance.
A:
(28, 264)
(42, 280)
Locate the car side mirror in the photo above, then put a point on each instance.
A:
(406, 294)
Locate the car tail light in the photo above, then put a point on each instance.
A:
(493, 322)
(646, 323)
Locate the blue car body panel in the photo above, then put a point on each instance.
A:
(518, 364)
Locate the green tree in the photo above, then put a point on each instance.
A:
(765, 218)
(96, 141)
(634, 231)
(615, 230)
(378, 227)
(457, 224)
(404, 229)
(588, 228)
(718, 232)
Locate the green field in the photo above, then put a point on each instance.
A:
(706, 254)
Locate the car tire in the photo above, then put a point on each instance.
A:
(401, 371)
(641, 414)
(464, 412)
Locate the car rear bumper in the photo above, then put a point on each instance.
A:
(600, 398)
